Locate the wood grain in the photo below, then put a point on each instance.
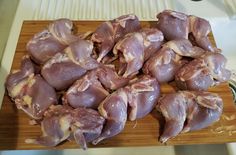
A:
(15, 128)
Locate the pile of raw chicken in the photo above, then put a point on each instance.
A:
(85, 87)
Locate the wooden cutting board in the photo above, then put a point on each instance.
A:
(15, 128)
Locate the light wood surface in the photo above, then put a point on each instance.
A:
(15, 128)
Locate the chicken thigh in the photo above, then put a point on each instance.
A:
(114, 110)
(45, 44)
(130, 51)
(142, 96)
(109, 78)
(62, 122)
(60, 71)
(86, 92)
(55, 126)
(30, 92)
(65, 68)
(87, 125)
(184, 47)
(203, 72)
(188, 111)
(108, 33)
(153, 39)
(174, 25)
(200, 29)
(163, 65)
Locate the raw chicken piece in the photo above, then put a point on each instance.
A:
(80, 52)
(163, 65)
(188, 111)
(125, 24)
(51, 41)
(16, 77)
(109, 78)
(92, 84)
(103, 39)
(60, 71)
(174, 25)
(153, 39)
(173, 108)
(114, 110)
(216, 63)
(43, 46)
(63, 30)
(135, 48)
(131, 54)
(65, 68)
(142, 96)
(31, 92)
(194, 76)
(108, 33)
(208, 109)
(55, 126)
(37, 96)
(86, 92)
(183, 47)
(200, 29)
(202, 73)
(62, 122)
(87, 126)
